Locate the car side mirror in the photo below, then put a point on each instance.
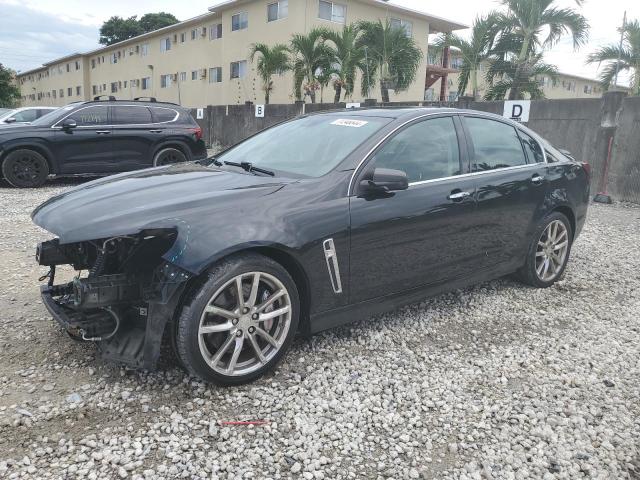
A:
(385, 180)
(69, 124)
(10, 120)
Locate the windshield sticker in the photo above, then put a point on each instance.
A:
(349, 123)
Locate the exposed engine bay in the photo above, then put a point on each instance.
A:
(123, 295)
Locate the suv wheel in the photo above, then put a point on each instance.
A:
(548, 253)
(168, 156)
(25, 169)
(240, 322)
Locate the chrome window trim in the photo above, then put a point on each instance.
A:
(473, 174)
(56, 127)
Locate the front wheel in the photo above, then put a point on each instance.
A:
(548, 252)
(240, 322)
(25, 169)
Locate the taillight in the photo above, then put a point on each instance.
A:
(197, 132)
(587, 169)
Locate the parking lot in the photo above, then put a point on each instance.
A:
(499, 381)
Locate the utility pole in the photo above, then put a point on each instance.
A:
(624, 25)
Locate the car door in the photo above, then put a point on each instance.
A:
(419, 236)
(511, 189)
(133, 137)
(86, 148)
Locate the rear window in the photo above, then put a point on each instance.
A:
(161, 114)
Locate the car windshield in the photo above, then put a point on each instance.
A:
(308, 147)
(53, 116)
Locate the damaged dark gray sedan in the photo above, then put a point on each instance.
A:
(308, 225)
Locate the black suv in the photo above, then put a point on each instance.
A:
(99, 137)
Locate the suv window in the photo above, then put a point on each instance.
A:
(532, 148)
(163, 114)
(424, 151)
(130, 115)
(90, 116)
(496, 144)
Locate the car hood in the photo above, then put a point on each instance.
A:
(155, 198)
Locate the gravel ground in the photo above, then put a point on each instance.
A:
(499, 381)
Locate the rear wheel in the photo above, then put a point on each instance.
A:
(548, 252)
(25, 168)
(240, 322)
(168, 156)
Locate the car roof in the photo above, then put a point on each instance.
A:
(148, 103)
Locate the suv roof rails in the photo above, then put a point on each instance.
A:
(145, 99)
(108, 97)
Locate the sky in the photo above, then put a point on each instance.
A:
(35, 31)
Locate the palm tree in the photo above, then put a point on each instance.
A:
(525, 20)
(393, 56)
(505, 71)
(273, 61)
(349, 58)
(312, 57)
(629, 57)
(474, 51)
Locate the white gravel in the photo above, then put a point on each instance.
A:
(499, 381)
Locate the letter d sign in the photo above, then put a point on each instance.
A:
(517, 110)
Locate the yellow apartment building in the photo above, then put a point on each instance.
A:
(204, 60)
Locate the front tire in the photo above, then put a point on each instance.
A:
(240, 322)
(168, 156)
(548, 252)
(25, 168)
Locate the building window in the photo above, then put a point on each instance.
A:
(194, 74)
(183, 37)
(165, 81)
(114, 87)
(77, 65)
(588, 89)
(403, 25)
(54, 93)
(334, 12)
(94, 89)
(93, 63)
(215, 31)
(183, 76)
(144, 49)
(194, 34)
(165, 44)
(215, 75)
(68, 68)
(277, 10)
(239, 69)
(146, 83)
(239, 21)
(61, 93)
(78, 90)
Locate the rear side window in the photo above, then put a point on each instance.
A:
(90, 116)
(131, 115)
(532, 148)
(164, 114)
(496, 144)
(424, 151)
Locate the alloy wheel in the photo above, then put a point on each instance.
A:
(169, 158)
(26, 168)
(551, 252)
(245, 324)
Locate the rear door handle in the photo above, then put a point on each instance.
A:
(103, 132)
(457, 196)
(537, 179)
(155, 131)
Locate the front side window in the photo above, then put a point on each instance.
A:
(91, 116)
(427, 150)
(129, 115)
(215, 75)
(239, 21)
(277, 10)
(239, 69)
(334, 12)
(532, 148)
(496, 144)
(312, 146)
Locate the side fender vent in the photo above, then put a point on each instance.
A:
(332, 265)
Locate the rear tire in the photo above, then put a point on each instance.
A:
(25, 168)
(231, 338)
(548, 252)
(168, 156)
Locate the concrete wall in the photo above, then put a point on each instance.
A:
(584, 127)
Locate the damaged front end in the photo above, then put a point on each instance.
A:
(126, 298)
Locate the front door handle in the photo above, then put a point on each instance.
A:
(155, 131)
(103, 132)
(537, 179)
(458, 196)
